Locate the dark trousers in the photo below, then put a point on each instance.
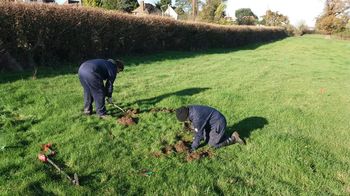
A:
(93, 91)
(217, 135)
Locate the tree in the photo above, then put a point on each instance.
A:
(331, 24)
(185, 5)
(214, 11)
(220, 13)
(334, 17)
(301, 28)
(183, 8)
(274, 19)
(163, 4)
(121, 5)
(181, 13)
(245, 16)
(92, 3)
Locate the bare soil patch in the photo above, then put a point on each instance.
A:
(129, 118)
(182, 147)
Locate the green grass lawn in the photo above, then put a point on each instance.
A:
(289, 99)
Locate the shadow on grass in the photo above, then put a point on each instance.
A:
(85, 180)
(145, 105)
(218, 190)
(146, 58)
(180, 93)
(129, 59)
(246, 126)
(12, 121)
(35, 188)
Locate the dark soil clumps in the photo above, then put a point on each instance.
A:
(126, 120)
(198, 155)
(129, 117)
(132, 112)
(168, 149)
(182, 147)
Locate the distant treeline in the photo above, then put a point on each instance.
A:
(38, 34)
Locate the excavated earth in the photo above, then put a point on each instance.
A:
(129, 117)
(182, 147)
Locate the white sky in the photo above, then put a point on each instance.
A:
(296, 10)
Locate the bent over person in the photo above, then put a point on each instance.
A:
(209, 125)
(92, 74)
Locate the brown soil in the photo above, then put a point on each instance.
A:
(168, 149)
(132, 112)
(129, 117)
(157, 154)
(168, 110)
(126, 120)
(198, 155)
(183, 146)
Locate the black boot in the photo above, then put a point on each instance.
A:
(227, 142)
(236, 139)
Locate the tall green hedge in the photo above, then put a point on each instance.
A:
(38, 33)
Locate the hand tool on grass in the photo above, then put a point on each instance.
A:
(115, 105)
(110, 101)
(44, 157)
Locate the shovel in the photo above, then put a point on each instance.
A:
(45, 159)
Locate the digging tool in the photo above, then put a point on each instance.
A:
(46, 148)
(110, 101)
(115, 105)
(45, 159)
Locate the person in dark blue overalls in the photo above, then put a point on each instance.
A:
(209, 125)
(92, 73)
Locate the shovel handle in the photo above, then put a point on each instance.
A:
(59, 169)
(115, 105)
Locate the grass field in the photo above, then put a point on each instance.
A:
(289, 99)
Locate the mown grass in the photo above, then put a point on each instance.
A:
(289, 99)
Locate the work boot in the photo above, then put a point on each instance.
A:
(236, 139)
(104, 116)
(87, 112)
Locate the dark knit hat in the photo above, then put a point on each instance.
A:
(118, 63)
(182, 113)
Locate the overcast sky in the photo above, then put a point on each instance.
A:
(296, 10)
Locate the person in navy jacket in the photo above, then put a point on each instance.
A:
(209, 125)
(92, 74)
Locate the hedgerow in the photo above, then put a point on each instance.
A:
(41, 33)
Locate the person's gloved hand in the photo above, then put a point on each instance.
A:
(109, 100)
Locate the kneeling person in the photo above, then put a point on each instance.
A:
(92, 73)
(209, 124)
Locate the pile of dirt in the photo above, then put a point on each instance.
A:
(168, 149)
(132, 112)
(168, 110)
(198, 155)
(182, 147)
(129, 117)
